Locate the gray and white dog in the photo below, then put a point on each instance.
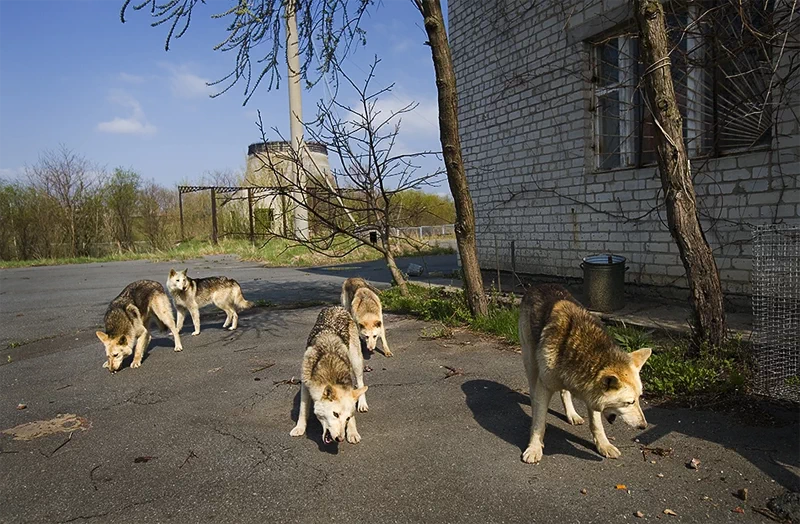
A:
(193, 293)
(127, 318)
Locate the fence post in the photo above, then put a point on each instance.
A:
(180, 207)
(214, 216)
(250, 212)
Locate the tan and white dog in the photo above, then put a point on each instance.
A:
(332, 363)
(193, 293)
(127, 318)
(361, 300)
(565, 348)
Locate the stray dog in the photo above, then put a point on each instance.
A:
(126, 321)
(331, 363)
(192, 294)
(361, 300)
(566, 349)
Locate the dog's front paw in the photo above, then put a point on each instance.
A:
(136, 364)
(532, 455)
(353, 437)
(178, 348)
(362, 405)
(608, 450)
(231, 328)
(388, 353)
(575, 419)
(297, 431)
(195, 333)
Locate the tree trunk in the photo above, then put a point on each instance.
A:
(451, 150)
(397, 275)
(676, 178)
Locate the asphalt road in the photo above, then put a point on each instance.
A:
(203, 435)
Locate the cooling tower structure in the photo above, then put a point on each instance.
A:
(269, 164)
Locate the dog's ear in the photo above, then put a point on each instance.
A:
(358, 392)
(172, 271)
(639, 357)
(610, 382)
(185, 271)
(102, 336)
(329, 393)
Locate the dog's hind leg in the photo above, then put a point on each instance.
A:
(234, 319)
(569, 408)
(302, 415)
(163, 310)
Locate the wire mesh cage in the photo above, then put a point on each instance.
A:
(776, 310)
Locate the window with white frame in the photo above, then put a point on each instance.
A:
(721, 81)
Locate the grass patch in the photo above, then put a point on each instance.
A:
(450, 309)
(674, 372)
(276, 252)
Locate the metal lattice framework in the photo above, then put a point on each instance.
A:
(776, 310)
(213, 191)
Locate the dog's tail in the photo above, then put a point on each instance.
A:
(239, 301)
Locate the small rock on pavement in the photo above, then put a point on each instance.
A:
(693, 464)
(742, 494)
(787, 506)
(639, 514)
(583, 491)
(670, 512)
(21, 406)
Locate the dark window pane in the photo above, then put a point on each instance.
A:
(608, 58)
(609, 139)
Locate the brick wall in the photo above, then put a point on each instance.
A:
(525, 101)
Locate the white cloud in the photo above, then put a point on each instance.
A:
(185, 84)
(422, 121)
(131, 79)
(11, 173)
(136, 124)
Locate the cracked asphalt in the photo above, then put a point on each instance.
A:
(203, 435)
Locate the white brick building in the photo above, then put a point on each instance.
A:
(558, 163)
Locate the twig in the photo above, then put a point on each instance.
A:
(262, 368)
(61, 445)
(191, 455)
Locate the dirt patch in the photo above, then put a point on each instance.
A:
(66, 423)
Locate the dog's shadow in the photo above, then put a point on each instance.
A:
(314, 428)
(496, 407)
(367, 354)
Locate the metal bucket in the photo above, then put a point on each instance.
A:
(604, 281)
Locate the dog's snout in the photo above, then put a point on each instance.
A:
(642, 425)
(339, 439)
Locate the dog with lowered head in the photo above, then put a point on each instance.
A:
(127, 318)
(361, 300)
(565, 348)
(332, 377)
(193, 293)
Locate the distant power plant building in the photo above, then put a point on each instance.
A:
(265, 159)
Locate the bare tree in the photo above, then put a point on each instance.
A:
(354, 206)
(335, 24)
(68, 179)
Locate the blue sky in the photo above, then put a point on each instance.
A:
(72, 74)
